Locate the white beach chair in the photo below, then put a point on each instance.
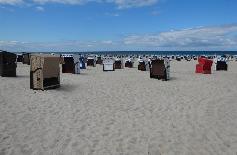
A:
(108, 64)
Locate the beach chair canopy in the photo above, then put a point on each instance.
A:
(108, 60)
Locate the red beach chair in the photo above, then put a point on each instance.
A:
(204, 66)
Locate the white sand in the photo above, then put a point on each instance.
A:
(121, 113)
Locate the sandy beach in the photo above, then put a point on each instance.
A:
(121, 113)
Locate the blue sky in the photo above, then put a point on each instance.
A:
(89, 25)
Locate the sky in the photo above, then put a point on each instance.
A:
(106, 25)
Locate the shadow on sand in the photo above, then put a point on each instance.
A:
(173, 79)
(22, 76)
(83, 74)
(67, 88)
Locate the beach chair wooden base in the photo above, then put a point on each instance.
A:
(48, 83)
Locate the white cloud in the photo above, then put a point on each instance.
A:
(112, 14)
(11, 2)
(39, 8)
(121, 4)
(72, 2)
(219, 36)
(107, 42)
(155, 13)
(200, 38)
(133, 3)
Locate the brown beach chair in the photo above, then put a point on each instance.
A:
(99, 60)
(221, 65)
(26, 58)
(159, 69)
(118, 64)
(91, 62)
(142, 66)
(44, 72)
(129, 64)
(19, 58)
(68, 66)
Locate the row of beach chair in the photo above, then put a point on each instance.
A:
(45, 68)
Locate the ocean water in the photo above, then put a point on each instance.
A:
(150, 52)
(159, 52)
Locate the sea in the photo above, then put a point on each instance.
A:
(147, 52)
(155, 52)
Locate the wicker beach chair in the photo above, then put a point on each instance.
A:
(44, 72)
(129, 63)
(160, 69)
(221, 63)
(91, 61)
(143, 65)
(119, 63)
(204, 65)
(7, 64)
(99, 60)
(19, 57)
(68, 65)
(26, 58)
(108, 64)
